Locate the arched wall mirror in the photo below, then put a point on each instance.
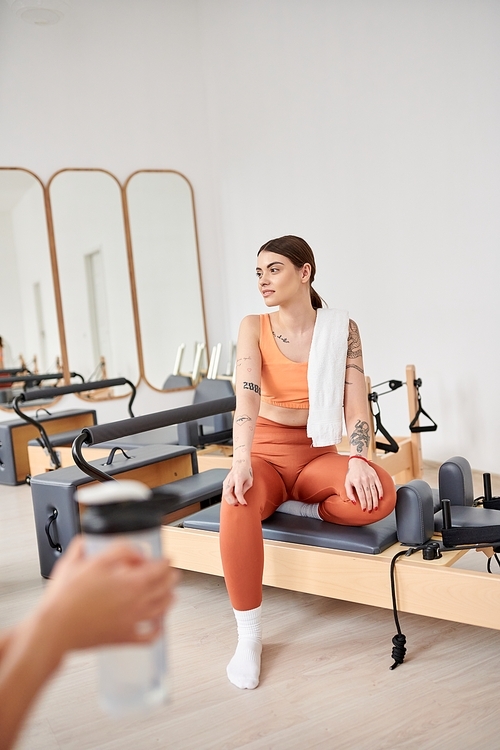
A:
(162, 222)
(94, 274)
(28, 312)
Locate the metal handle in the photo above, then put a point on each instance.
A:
(49, 523)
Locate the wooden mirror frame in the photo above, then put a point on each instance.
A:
(56, 285)
(134, 277)
(55, 282)
(130, 273)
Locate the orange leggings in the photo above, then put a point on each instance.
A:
(286, 467)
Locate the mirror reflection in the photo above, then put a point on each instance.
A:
(28, 319)
(166, 265)
(89, 234)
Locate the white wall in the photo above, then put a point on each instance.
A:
(370, 127)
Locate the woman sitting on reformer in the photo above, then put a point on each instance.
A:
(297, 369)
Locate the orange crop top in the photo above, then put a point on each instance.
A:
(283, 382)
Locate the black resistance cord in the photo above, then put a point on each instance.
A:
(430, 551)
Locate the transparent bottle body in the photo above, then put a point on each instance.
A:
(132, 678)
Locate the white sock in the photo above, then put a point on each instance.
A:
(297, 508)
(244, 668)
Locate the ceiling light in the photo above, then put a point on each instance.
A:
(39, 12)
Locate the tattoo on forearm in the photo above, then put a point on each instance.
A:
(354, 341)
(244, 418)
(355, 367)
(361, 436)
(238, 448)
(251, 387)
(347, 382)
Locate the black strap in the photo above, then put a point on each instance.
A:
(391, 445)
(421, 411)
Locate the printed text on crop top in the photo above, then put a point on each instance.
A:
(283, 382)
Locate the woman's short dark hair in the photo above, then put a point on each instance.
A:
(298, 252)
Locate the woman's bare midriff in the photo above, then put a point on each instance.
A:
(282, 415)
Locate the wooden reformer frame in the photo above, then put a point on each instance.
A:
(424, 587)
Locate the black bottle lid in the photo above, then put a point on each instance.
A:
(118, 507)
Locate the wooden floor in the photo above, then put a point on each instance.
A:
(326, 681)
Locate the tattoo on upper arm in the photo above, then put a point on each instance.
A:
(244, 418)
(354, 341)
(251, 387)
(242, 360)
(355, 367)
(361, 436)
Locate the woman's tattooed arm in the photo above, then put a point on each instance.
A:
(354, 350)
(355, 367)
(251, 387)
(353, 342)
(244, 418)
(360, 437)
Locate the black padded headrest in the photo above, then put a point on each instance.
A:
(455, 481)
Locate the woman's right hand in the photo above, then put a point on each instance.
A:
(238, 481)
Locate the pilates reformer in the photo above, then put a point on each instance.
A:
(301, 554)
(48, 453)
(355, 564)
(170, 470)
(58, 454)
(15, 434)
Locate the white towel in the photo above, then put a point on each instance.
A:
(326, 376)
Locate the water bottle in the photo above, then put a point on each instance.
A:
(132, 677)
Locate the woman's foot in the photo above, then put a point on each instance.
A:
(244, 668)
(298, 508)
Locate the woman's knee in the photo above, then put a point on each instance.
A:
(388, 487)
(268, 489)
(322, 477)
(264, 496)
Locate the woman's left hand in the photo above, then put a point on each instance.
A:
(362, 484)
